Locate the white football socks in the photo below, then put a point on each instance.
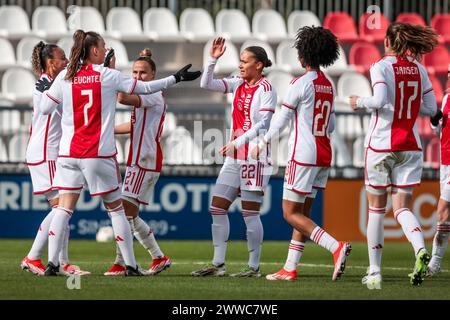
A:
(123, 236)
(440, 243)
(255, 235)
(64, 253)
(220, 229)
(411, 228)
(323, 239)
(56, 233)
(294, 255)
(145, 236)
(41, 237)
(375, 238)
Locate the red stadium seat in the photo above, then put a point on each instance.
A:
(437, 60)
(342, 25)
(437, 87)
(411, 17)
(441, 23)
(362, 55)
(369, 31)
(432, 153)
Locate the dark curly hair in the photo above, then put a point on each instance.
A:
(41, 53)
(316, 47)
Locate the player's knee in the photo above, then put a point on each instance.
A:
(444, 212)
(112, 196)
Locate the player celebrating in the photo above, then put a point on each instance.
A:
(253, 105)
(309, 102)
(440, 240)
(144, 162)
(393, 150)
(87, 92)
(48, 60)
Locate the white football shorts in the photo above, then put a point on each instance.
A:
(397, 169)
(101, 175)
(303, 179)
(42, 176)
(248, 175)
(139, 184)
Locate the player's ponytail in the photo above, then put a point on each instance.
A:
(260, 55)
(41, 53)
(146, 55)
(82, 43)
(415, 40)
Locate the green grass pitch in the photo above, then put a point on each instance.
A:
(314, 280)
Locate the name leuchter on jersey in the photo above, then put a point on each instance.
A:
(86, 79)
(323, 89)
(406, 70)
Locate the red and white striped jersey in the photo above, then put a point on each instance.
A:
(147, 122)
(445, 132)
(88, 108)
(393, 127)
(250, 106)
(311, 97)
(45, 132)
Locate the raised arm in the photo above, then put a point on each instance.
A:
(51, 96)
(207, 81)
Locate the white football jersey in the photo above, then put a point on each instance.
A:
(88, 108)
(249, 103)
(147, 122)
(393, 127)
(311, 97)
(45, 132)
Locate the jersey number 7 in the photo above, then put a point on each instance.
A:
(87, 105)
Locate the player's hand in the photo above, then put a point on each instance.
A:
(436, 118)
(110, 59)
(217, 48)
(228, 149)
(352, 100)
(255, 153)
(185, 75)
(43, 84)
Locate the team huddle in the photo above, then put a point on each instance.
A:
(72, 147)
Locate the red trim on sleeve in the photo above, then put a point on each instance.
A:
(53, 99)
(133, 87)
(267, 109)
(378, 83)
(288, 106)
(428, 91)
